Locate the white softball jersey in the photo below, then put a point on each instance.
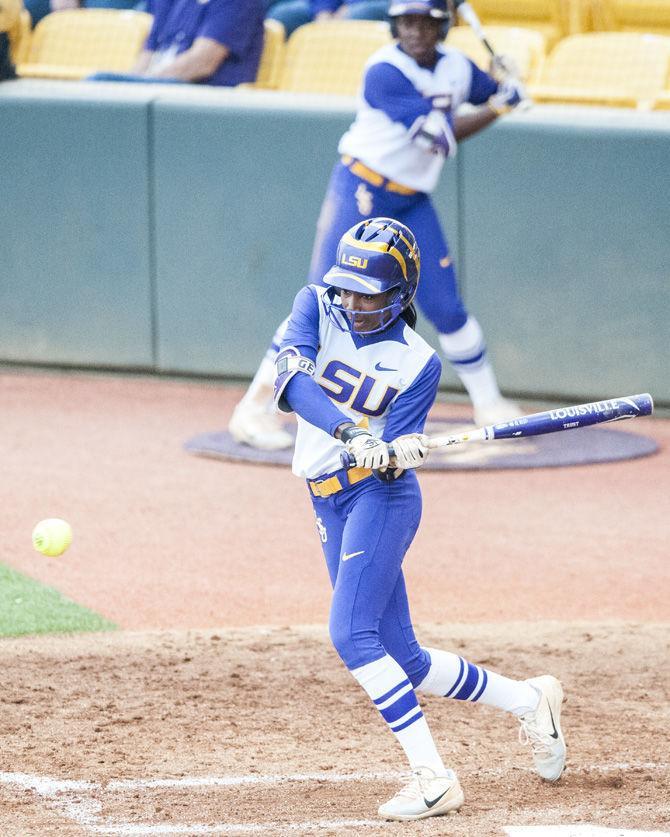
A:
(388, 378)
(381, 138)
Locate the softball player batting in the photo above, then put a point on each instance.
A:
(391, 159)
(360, 379)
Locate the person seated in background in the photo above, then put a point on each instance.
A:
(217, 42)
(9, 14)
(294, 13)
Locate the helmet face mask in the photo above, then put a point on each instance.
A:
(378, 257)
(363, 320)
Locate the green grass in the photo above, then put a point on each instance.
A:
(28, 607)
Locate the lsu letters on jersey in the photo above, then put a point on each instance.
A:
(389, 378)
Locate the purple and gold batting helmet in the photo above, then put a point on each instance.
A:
(437, 9)
(374, 257)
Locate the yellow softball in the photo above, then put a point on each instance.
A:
(52, 536)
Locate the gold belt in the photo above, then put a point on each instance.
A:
(327, 487)
(374, 178)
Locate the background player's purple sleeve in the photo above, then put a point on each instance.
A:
(482, 85)
(303, 395)
(386, 88)
(408, 412)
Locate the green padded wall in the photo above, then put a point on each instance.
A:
(238, 193)
(74, 219)
(567, 251)
(169, 228)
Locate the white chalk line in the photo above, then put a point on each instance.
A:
(233, 828)
(72, 798)
(577, 831)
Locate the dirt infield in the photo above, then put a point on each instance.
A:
(218, 681)
(258, 704)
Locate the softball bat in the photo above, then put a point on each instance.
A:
(548, 421)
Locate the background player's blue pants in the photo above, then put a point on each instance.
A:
(369, 614)
(349, 200)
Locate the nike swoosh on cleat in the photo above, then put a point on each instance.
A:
(553, 734)
(346, 557)
(381, 368)
(430, 803)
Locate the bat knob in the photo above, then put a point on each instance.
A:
(346, 459)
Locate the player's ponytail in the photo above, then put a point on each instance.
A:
(409, 315)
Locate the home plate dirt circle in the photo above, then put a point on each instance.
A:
(584, 446)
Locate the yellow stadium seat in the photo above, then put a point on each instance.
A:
(663, 101)
(651, 16)
(526, 47)
(272, 59)
(74, 43)
(329, 57)
(615, 69)
(9, 13)
(19, 37)
(550, 17)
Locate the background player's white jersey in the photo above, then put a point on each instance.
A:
(386, 145)
(397, 362)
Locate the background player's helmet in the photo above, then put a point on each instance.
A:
(374, 256)
(431, 8)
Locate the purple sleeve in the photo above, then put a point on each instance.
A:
(230, 23)
(310, 402)
(482, 86)
(324, 6)
(159, 12)
(386, 88)
(409, 411)
(303, 395)
(302, 330)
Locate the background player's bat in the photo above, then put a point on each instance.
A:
(469, 15)
(549, 421)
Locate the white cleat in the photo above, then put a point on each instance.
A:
(542, 728)
(496, 412)
(255, 426)
(427, 795)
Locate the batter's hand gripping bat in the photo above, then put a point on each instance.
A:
(549, 421)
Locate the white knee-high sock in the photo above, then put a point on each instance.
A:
(465, 349)
(453, 677)
(390, 690)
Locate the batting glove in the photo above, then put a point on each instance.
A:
(411, 450)
(510, 94)
(504, 67)
(365, 449)
(434, 133)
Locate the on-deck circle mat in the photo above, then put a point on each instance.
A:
(583, 446)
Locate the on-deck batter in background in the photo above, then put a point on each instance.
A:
(361, 379)
(406, 127)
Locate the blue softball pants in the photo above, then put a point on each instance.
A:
(350, 200)
(365, 532)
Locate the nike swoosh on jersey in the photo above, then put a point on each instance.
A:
(381, 368)
(346, 557)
